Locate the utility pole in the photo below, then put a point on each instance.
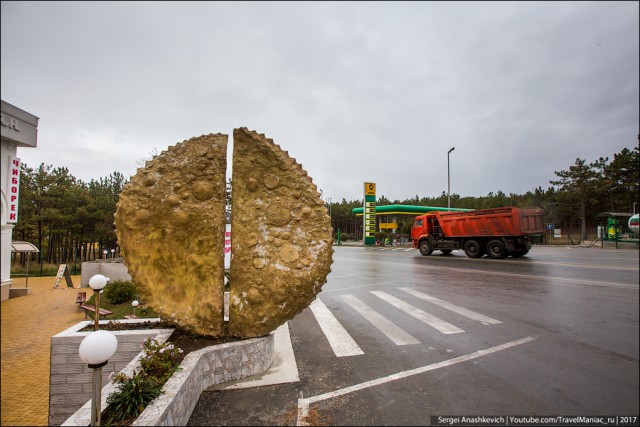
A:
(449, 181)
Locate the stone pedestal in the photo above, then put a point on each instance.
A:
(19, 292)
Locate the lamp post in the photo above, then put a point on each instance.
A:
(113, 252)
(449, 181)
(135, 303)
(105, 253)
(95, 350)
(97, 283)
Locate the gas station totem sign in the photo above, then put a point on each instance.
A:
(369, 235)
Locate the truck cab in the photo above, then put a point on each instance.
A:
(427, 235)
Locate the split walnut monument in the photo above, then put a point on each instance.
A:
(170, 224)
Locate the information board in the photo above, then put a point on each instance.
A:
(63, 270)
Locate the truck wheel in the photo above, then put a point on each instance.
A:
(425, 247)
(497, 250)
(473, 249)
(446, 251)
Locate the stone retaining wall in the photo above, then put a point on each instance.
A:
(198, 371)
(202, 369)
(70, 380)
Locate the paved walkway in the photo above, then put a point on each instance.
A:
(28, 323)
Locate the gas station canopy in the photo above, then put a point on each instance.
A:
(407, 210)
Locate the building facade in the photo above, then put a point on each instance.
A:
(19, 129)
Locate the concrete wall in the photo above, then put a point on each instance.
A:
(112, 270)
(70, 381)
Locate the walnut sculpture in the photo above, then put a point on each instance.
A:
(170, 224)
(281, 237)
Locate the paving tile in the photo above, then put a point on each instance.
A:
(28, 323)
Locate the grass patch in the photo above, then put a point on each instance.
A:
(18, 270)
(122, 309)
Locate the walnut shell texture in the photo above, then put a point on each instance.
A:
(170, 224)
(281, 240)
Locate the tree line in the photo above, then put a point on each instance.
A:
(71, 220)
(67, 219)
(571, 202)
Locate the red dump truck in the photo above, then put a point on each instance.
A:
(497, 232)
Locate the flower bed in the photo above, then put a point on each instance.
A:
(198, 371)
(70, 381)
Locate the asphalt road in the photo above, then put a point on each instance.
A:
(552, 333)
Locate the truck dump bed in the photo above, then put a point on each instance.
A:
(508, 221)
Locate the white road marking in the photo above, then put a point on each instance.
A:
(460, 310)
(303, 403)
(392, 331)
(338, 337)
(410, 249)
(429, 319)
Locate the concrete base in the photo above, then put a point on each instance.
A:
(20, 292)
(5, 291)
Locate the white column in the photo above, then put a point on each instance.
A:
(5, 262)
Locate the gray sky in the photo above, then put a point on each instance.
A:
(355, 91)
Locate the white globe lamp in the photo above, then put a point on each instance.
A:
(95, 350)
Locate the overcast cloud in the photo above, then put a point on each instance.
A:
(355, 91)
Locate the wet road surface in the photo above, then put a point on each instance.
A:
(396, 337)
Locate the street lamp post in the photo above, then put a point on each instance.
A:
(105, 254)
(113, 252)
(135, 303)
(95, 350)
(449, 181)
(97, 283)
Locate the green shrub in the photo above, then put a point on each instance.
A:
(131, 397)
(120, 291)
(133, 394)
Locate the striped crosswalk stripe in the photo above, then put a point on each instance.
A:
(460, 310)
(429, 319)
(338, 337)
(388, 328)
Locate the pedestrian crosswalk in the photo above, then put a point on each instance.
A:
(344, 345)
(392, 331)
(423, 316)
(338, 337)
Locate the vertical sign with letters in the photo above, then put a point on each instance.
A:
(227, 246)
(369, 214)
(13, 189)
